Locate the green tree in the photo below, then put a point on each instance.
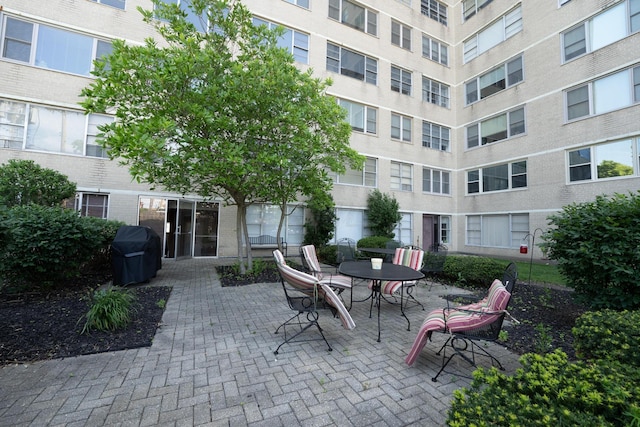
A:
(596, 246)
(383, 213)
(224, 113)
(320, 227)
(23, 182)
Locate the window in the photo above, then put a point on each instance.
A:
(354, 15)
(496, 178)
(435, 136)
(401, 176)
(505, 27)
(496, 128)
(400, 127)
(51, 47)
(400, 35)
(365, 177)
(114, 3)
(200, 22)
(434, 10)
(607, 27)
(436, 181)
(435, 92)
(352, 64)
(352, 223)
(612, 92)
(93, 147)
(471, 7)
(12, 123)
(403, 230)
(496, 80)
(264, 219)
(301, 3)
(293, 41)
(400, 80)
(497, 231)
(434, 50)
(88, 204)
(605, 161)
(362, 118)
(445, 229)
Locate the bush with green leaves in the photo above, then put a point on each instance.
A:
(111, 309)
(383, 213)
(472, 271)
(43, 245)
(550, 391)
(608, 334)
(596, 247)
(319, 229)
(23, 182)
(373, 242)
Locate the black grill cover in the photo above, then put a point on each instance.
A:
(136, 255)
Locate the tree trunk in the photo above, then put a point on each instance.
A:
(240, 231)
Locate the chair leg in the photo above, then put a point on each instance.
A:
(312, 320)
(459, 351)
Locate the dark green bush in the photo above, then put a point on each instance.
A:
(610, 335)
(321, 225)
(328, 254)
(596, 246)
(382, 212)
(550, 391)
(472, 271)
(111, 309)
(23, 182)
(44, 245)
(373, 242)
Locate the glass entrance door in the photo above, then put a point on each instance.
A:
(184, 229)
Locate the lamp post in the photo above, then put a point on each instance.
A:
(524, 247)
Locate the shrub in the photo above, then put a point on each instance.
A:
(373, 242)
(382, 211)
(111, 310)
(549, 391)
(23, 182)
(609, 335)
(472, 271)
(328, 254)
(595, 244)
(319, 229)
(43, 245)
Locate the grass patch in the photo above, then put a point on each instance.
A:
(540, 273)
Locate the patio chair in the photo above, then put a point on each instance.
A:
(345, 250)
(306, 296)
(467, 326)
(392, 244)
(337, 282)
(398, 289)
(434, 261)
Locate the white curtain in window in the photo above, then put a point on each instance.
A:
(609, 26)
(490, 36)
(349, 224)
(612, 92)
(495, 231)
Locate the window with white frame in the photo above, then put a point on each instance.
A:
(435, 136)
(36, 127)
(445, 229)
(505, 176)
(436, 181)
(607, 160)
(367, 177)
(607, 27)
(301, 3)
(403, 230)
(362, 118)
(608, 93)
(349, 63)
(119, 4)
(89, 204)
(497, 128)
(497, 231)
(401, 176)
(352, 223)
(51, 47)
(495, 80)
(471, 7)
(400, 80)
(507, 26)
(435, 50)
(293, 41)
(435, 92)
(434, 10)
(401, 127)
(264, 219)
(400, 35)
(354, 15)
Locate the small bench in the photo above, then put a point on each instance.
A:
(267, 242)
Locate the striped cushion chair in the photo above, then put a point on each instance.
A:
(337, 282)
(404, 290)
(466, 327)
(306, 295)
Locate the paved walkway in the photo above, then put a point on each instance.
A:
(212, 363)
